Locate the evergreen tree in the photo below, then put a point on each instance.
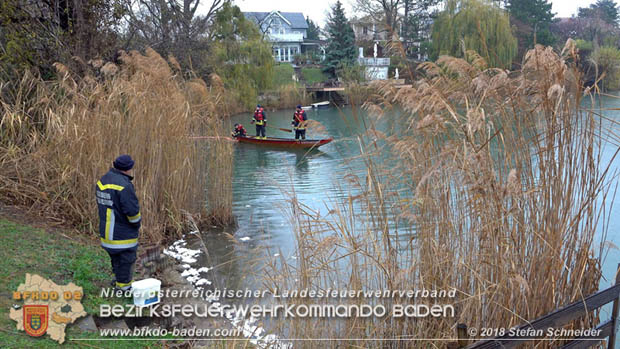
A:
(313, 30)
(478, 25)
(416, 25)
(341, 50)
(603, 9)
(532, 19)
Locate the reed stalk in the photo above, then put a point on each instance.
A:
(57, 138)
(496, 189)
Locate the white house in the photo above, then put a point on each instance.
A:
(285, 30)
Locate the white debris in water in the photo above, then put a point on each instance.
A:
(203, 282)
(193, 275)
(276, 255)
(255, 333)
(180, 253)
(247, 205)
(190, 272)
(212, 298)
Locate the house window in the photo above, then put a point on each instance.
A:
(365, 30)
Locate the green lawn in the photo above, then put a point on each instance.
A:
(31, 250)
(313, 75)
(282, 74)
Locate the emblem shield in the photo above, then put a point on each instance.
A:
(36, 319)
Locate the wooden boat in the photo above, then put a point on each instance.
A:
(324, 104)
(286, 142)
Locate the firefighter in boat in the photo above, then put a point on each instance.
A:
(260, 119)
(299, 122)
(239, 131)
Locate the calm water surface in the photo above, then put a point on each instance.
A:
(263, 180)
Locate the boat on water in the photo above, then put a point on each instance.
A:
(323, 104)
(308, 107)
(286, 142)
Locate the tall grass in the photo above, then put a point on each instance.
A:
(59, 137)
(286, 96)
(506, 191)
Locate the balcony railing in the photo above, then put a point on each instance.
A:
(288, 37)
(373, 61)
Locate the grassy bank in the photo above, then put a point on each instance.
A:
(62, 259)
(313, 75)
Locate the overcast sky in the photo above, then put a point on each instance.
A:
(317, 9)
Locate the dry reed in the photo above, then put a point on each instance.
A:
(505, 193)
(285, 97)
(59, 137)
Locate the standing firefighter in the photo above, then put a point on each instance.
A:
(119, 219)
(299, 122)
(261, 121)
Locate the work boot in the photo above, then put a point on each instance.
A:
(123, 287)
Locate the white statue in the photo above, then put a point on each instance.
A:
(375, 53)
(396, 74)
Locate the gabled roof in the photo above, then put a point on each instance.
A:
(295, 19)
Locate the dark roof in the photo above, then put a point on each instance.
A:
(297, 19)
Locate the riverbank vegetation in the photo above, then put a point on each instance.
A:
(58, 137)
(474, 25)
(498, 193)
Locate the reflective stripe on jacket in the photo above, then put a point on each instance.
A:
(259, 116)
(119, 210)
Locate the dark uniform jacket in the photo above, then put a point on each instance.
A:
(119, 211)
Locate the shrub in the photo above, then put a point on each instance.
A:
(607, 61)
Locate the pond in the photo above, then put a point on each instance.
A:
(265, 180)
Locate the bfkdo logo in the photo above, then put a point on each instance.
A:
(36, 319)
(42, 307)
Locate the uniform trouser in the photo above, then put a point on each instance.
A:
(122, 263)
(300, 133)
(260, 130)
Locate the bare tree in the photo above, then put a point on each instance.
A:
(170, 26)
(382, 11)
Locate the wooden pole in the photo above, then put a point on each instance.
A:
(461, 331)
(614, 316)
